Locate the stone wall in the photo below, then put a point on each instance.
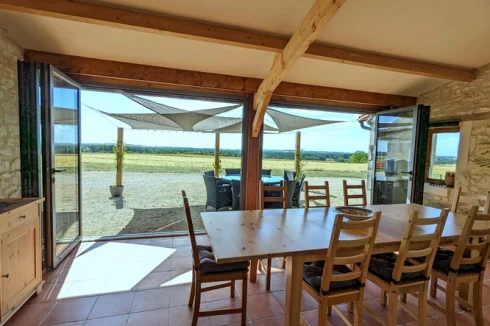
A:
(468, 102)
(10, 52)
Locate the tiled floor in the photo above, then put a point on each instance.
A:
(146, 282)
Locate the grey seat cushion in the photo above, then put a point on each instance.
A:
(209, 265)
(382, 266)
(312, 274)
(443, 261)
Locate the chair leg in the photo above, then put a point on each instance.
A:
(244, 300)
(268, 275)
(350, 307)
(329, 310)
(232, 289)
(193, 289)
(382, 299)
(422, 306)
(404, 297)
(392, 308)
(478, 302)
(283, 263)
(358, 307)
(260, 266)
(433, 286)
(322, 313)
(451, 302)
(197, 304)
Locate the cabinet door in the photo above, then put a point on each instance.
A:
(21, 272)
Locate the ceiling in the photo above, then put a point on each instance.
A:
(443, 31)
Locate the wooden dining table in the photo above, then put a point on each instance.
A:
(303, 235)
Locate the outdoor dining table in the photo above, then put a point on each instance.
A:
(266, 179)
(303, 235)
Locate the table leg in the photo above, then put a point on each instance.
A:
(253, 270)
(294, 279)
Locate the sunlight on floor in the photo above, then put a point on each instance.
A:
(108, 267)
(185, 278)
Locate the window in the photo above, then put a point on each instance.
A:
(442, 149)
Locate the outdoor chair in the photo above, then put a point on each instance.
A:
(348, 196)
(296, 202)
(341, 277)
(235, 191)
(233, 171)
(409, 270)
(289, 175)
(282, 200)
(209, 173)
(266, 173)
(325, 195)
(466, 201)
(218, 195)
(466, 264)
(206, 270)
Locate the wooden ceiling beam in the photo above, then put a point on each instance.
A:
(117, 74)
(315, 20)
(153, 23)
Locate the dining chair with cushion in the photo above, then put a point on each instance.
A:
(348, 196)
(311, 194)
(209, 173)
(289, 175)
(465, 201)
(282, 200)
(233, 171)
(218, 195)
(206, 270)
(408, 271)
(297, 192)
(466, 264)
(266, 173)
(235, 191)
(341, 277)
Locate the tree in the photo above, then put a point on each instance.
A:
(359, 157)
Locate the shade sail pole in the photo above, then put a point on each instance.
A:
(119, 156)
(297, 155)
(217, 164)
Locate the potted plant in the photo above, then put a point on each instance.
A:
(119, 149)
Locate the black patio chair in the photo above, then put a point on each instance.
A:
(297, 192)
(218, 195)
(266, 173)
(289, 175)
(233, 171)
(235, 191)
(209, 173)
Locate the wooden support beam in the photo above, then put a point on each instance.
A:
(153, 23)
(89, 71)
(319, 15)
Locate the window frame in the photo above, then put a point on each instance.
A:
(436, 129)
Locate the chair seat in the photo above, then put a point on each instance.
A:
(443, 261)
(382, 266)
(209, 265)
(312, 274)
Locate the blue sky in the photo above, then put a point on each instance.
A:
(346, 136)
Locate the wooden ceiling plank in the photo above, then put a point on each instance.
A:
(153, 23)
(315, 20)
(121, 73)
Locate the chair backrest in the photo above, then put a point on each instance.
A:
(190, 227)
(419, 244)
(282, 198)
(233, 171)
(466, 200)
(235, 191)
(266, 172)
(311, 194)
(289, 175)
(474, 240)
(348, 196)
(209, 173)
(360, 242)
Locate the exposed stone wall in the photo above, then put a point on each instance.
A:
(10, 52)
(470, 104)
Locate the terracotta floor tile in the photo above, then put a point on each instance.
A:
(165, 266)
(179, 295)
(31, 314)
(151, 299)
(219, 294)
(275, 321)
(70, 310)
(112, 305)
(50, 292)
(108, 321)
(224, 319)
(183, 252)
(77, 323)
(158, 317)
(260, 306)
(162, 242)
(142, 241)
(154, 280)
(183, 241)
(182, 315)
(430, 322)
(307, 302)
(412, 304)
(181, 263)
(461, 319)
(311, 317)
(56, 276)
(256, 287)
(382, 311)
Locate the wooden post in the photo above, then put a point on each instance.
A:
(297, 154)
(119, 156)
(217, 163)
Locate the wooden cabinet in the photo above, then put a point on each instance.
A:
(20, 250)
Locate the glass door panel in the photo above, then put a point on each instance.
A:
(65, 124)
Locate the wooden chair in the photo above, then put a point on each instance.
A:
(466, 200)
(283, 199)
(206, 270)
(362, 196)
(409, 270)
(466, 264)
(332, 282)
(325, 196)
